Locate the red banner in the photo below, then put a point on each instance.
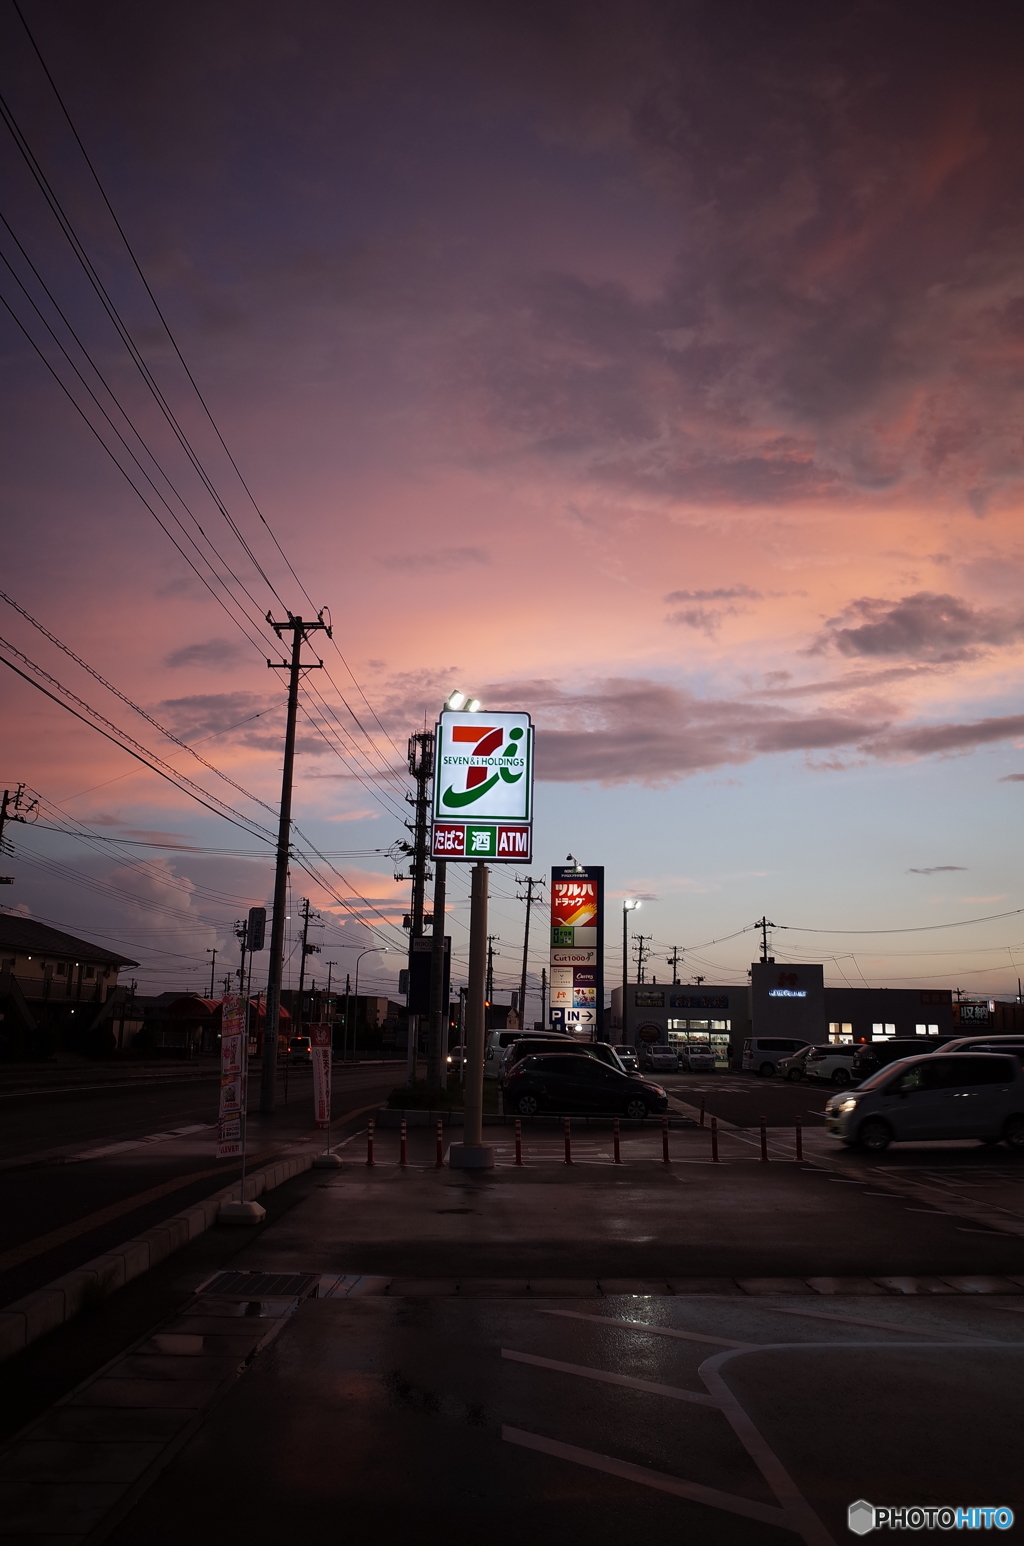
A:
(320, 1046)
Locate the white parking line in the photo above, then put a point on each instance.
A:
(605, 1377)
(764, 1513)
(655, 1331)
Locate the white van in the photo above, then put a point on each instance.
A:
(496, 1042)
(761, 1054)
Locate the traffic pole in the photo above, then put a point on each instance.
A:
(764, 1142)
(403, 1145)
(664, 1141)
(702, 1111)
(439, 1162)
(799, 1141)
(567, 1129)
(369, 1142)
(714, 1141)
(615, 1140)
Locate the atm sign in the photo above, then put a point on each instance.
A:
(509, 841)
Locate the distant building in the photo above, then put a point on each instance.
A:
(55, 989)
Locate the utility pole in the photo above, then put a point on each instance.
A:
(421, 766)
(436, 1038)
(698, 981)
(242, 935)
(348, 1011)
(492, 940)
(673, 961)
(299, 631)
(643, 950)
(308, 914)
(14, 808)
(213, 966)
(227, 984)
(543, 998)
(764, 924)
(529, 883)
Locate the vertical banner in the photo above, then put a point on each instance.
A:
(232, 1075)
(320, 1046)
(577, 949)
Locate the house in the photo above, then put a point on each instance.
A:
(55, 989)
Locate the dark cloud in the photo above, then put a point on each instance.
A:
(926, 740)
(213, 653)
(938, 869)
(1012, 778)
(924, 626)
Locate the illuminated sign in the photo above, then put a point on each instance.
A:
(787, 992)
(577, 944)
(483, 788)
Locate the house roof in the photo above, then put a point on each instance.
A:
(25, 935)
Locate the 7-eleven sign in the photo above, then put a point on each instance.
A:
(483, 786)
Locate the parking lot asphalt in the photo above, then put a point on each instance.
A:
(713, 1419)
(743, 1098)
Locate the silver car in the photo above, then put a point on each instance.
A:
(654, 1056)
(941, 1095)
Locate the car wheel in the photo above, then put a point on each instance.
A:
(795, 1074)
(1013, 1132)
(874, 1135)
(528, 1105)
(767, 1070)
(841, 1076)
(636, 1108)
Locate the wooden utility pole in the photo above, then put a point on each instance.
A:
(299, 631)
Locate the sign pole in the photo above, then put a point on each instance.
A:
(473, 1153)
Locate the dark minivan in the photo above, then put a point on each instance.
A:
(874, 1055)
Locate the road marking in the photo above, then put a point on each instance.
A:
(676, 1392)
(764, 1513)
(797, 1511)
(139, 1143)
(859, 1320)
(655, 1331)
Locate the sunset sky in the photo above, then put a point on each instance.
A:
(654, 368)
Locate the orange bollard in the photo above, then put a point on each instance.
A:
(764, 1142)
(568, 1142)
(714, 1142)
(403, 1147)
(702, 1111)
(615, 1140)
(439, 1162)
(369, 1142)
(519, 1142)
(799, 1141)
(664, 1141)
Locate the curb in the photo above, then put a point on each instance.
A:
(31, 1317)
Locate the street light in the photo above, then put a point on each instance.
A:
(369, 951)
(457, 701)
(629, 905)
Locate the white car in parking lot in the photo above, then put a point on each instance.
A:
(655, 1057)
(696, 1057)
(834, 1063)
(954, 1095)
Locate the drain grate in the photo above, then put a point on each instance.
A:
(261, 1285)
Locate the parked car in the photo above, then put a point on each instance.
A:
(834, 1063)
(872, 1055)
(524, 1045)
(627, 1057)
(1014, 1045)
(793, 1067)
(654, 1056)
(762, 1054)
(300, 1050)
(575, 1083)
(696, 1057)
(497, 1041)
(939, 1095)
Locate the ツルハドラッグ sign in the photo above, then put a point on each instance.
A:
(483, 787)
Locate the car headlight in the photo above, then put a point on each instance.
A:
(848, 1105)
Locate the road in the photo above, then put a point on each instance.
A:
(746, 1098)
(83, 1172)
